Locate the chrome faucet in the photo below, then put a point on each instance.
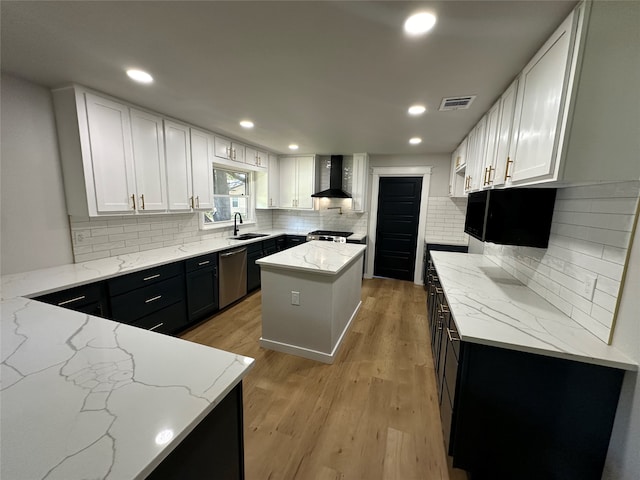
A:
(235, 225)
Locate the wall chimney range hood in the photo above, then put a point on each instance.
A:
(335, 181)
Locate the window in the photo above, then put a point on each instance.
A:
(231, 195)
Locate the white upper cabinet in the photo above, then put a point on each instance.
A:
(202, 145)
(297, 181)
(503, 156)
(359, 180)
(475, 156)
(237, 152)
(268, 185)
(566, 129)
(148, 154)
(178, 154)
(110, 155)
(222, 147)
(541, 102)
(491, 142)
(256, 158)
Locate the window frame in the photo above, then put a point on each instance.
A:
(250, 196)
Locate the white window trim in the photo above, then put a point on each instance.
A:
(425, 173)
(251, 204)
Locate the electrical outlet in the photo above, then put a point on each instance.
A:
(78, 237)
(590, 286)
(295, 298)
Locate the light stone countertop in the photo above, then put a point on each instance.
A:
(325, 258)
(491, 307)
(47, 280)
(84, 397)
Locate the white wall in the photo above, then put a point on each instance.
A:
(439, 173)
(34, 224)
(623, 459)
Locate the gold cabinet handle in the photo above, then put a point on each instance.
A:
(142, 200)
(198, 201)
(457, 161)
(133, 199)
(484, 179)
(506, 171)
(192, 203)
(451, 338)
(491, 179)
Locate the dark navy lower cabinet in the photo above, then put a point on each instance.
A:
(254, 252)
(91, 299)
(152, 299)
(293, 240)
(510, 415)
(202, 286)
(213, 450)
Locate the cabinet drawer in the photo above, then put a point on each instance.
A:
(451, 368)
(74, 298)
(202, 261)
(254, 248)
(269, 245)
(135, 280)
(167, 320)
(446, 416)
(131, 306)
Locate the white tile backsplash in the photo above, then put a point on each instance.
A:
(93, 239)
(305, 221)
(589, 240)
(445, 220)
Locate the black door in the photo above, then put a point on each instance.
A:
(397, 229)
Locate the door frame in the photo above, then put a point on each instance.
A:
(377, 172)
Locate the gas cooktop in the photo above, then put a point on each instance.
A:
(332, 233)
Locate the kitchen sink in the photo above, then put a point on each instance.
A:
(249, 236)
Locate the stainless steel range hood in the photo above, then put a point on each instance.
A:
(335, 181)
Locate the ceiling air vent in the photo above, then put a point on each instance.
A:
(456, 103)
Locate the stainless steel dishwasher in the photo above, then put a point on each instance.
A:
(233, 276)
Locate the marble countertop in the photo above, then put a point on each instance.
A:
(491, 307)
(325, 258)
(48, 280)
(84, 397)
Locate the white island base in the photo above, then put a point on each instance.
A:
(328, 280)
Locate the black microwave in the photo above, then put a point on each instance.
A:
(513, 216)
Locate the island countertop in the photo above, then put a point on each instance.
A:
(491, 307)
(325, 258)
(84, 397)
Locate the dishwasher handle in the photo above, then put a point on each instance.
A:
(235, 252)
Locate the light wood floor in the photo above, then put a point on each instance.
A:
(371, 415)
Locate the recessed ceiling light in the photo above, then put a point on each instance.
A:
(246, 124)
(417, 109)
(415, 140)
(419, 23)
(139, 76)
(293, 146)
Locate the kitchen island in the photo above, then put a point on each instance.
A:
(310, 295)
(84, 397)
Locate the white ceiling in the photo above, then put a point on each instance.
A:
(334, 77)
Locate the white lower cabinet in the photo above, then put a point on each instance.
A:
(297, 181)
(148, 155)
(202, 145)
(178, 154)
